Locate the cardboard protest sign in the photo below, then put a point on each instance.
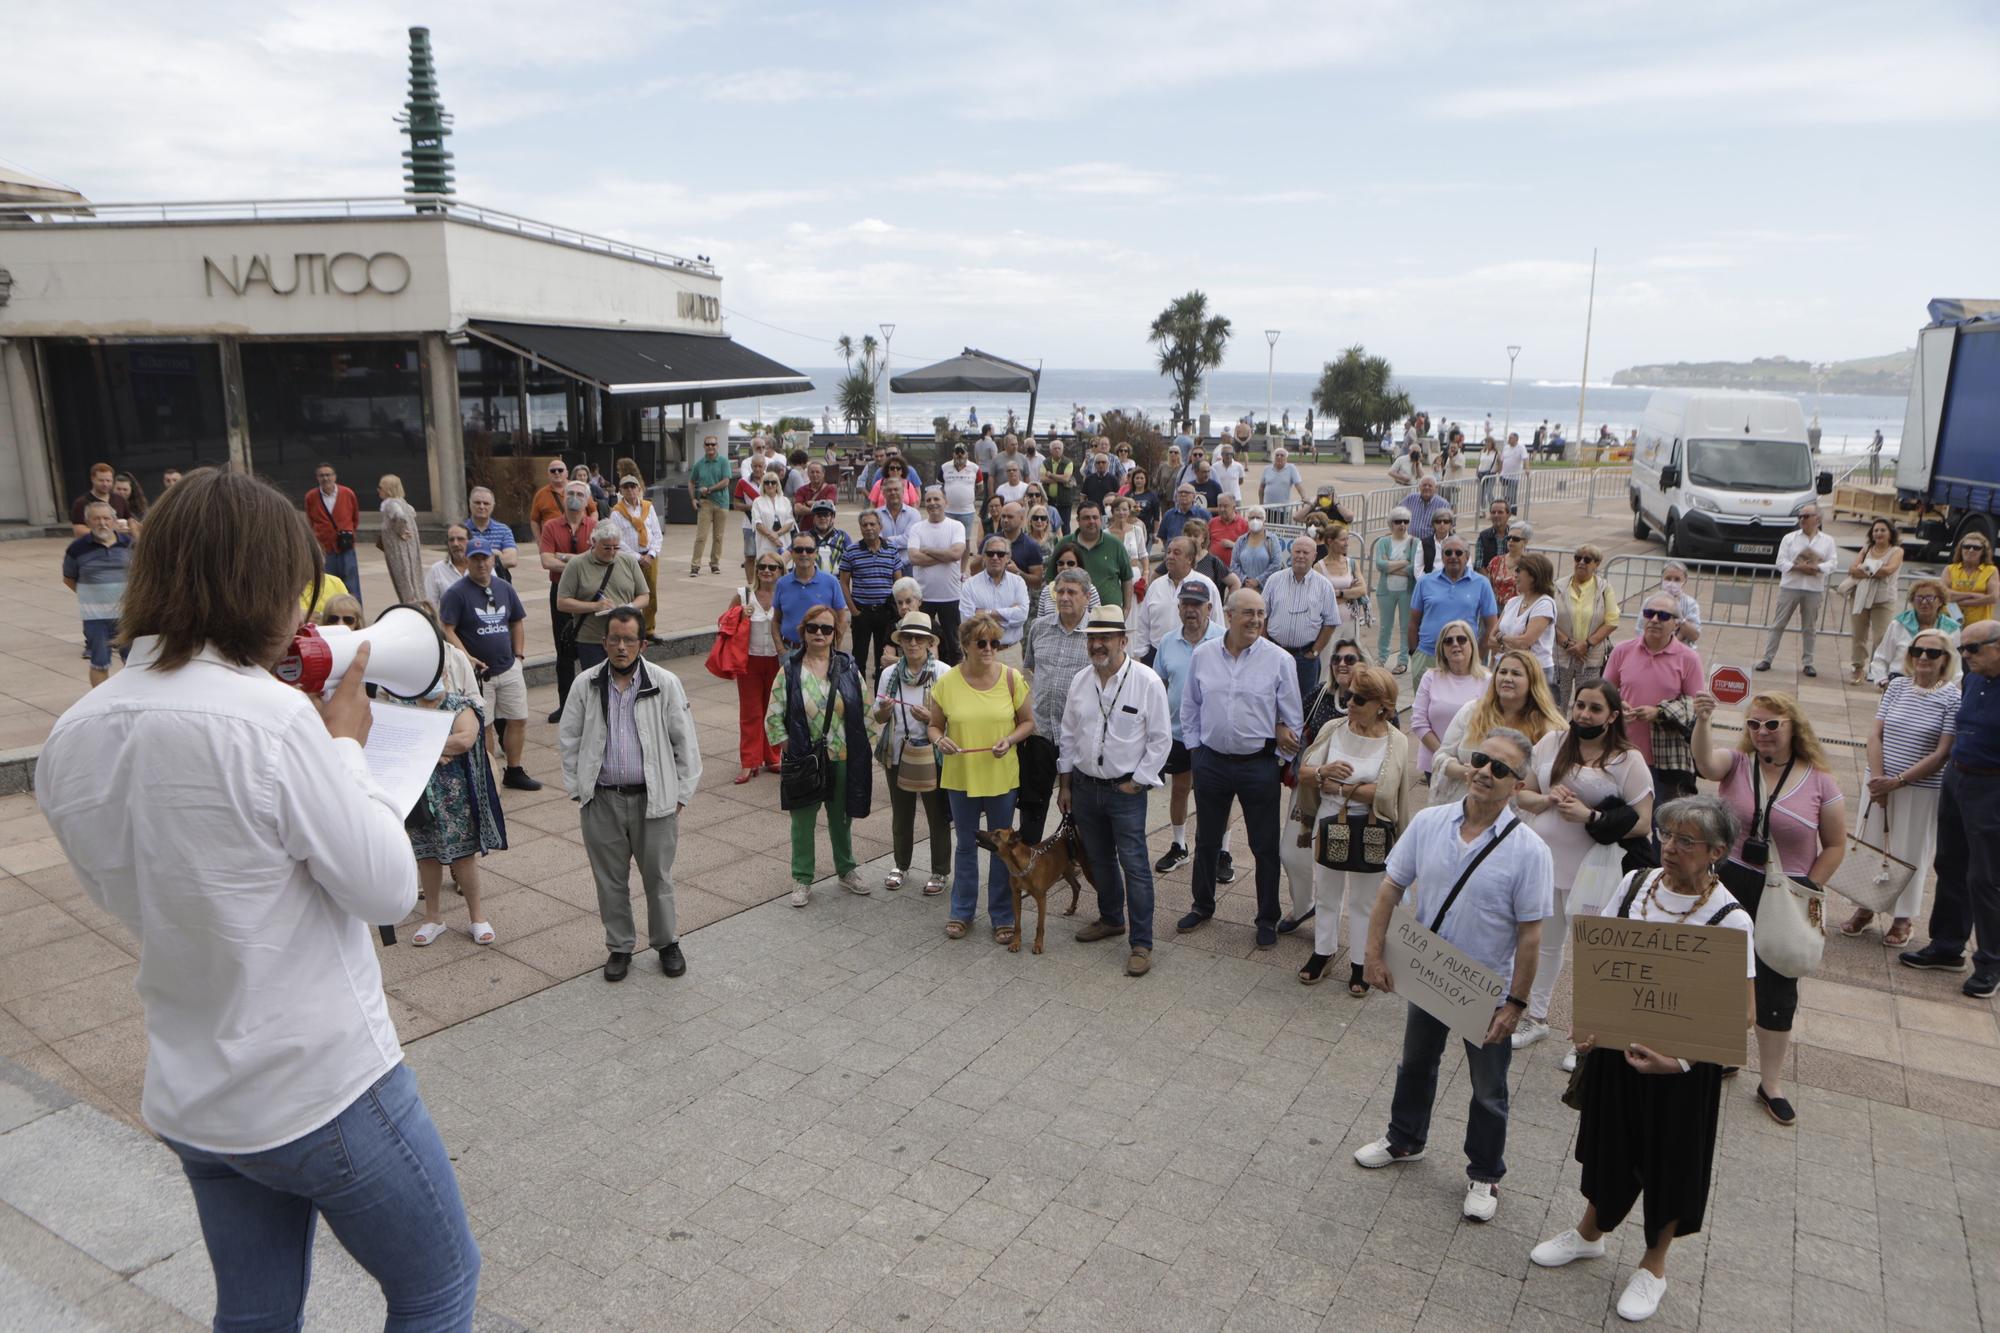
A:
(1456, 990)
(1679, 990)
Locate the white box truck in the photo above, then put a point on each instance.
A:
(1722, 475)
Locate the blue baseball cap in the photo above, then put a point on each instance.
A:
(478, 546)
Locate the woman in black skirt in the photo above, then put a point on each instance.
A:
(1649, 1120)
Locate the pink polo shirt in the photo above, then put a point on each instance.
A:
(1645, 678)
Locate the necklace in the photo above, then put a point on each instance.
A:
(1652, 898)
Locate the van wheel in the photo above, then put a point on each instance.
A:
(1639, 528)
(1675, 546)
(1632, 497)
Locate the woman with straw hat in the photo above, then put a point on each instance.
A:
(902, 708)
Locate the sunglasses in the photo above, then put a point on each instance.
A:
(818, 627)
(770, 569)
(1767, 724)
(1347, 659)
(558, 472)
(994, 555)
(1586, 560)
(986, 643)
(1455, 641)
(1498, 767)
(354, 622)
(1512, 540)
(1654, 613)
(1398, 522)
(1929, 654)
(1039, 518)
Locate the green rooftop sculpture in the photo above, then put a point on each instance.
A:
(426, 164)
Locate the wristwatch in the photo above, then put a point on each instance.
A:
(1517, 1002)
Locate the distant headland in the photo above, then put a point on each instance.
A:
(1886, 375)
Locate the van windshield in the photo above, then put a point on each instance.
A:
(1750, 465)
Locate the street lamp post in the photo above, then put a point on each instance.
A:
(1513, 350)
(888, 336)
(1270, 371)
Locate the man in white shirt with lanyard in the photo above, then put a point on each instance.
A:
(1804, 557)
(1115, 735)
(1483, 882)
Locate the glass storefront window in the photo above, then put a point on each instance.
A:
(356, 405)
(489, 403)
(141, 407)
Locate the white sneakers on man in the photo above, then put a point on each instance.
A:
(1566, 1248)
(1482, 1201)
(1642, 1296)
(1378, 1154)
(1530, 1031)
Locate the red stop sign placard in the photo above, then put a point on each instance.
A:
(1729, 684)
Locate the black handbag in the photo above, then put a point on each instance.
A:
(1358, 844)
(802, 779)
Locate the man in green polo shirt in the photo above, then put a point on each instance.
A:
(591, 588)
(708, 487)
(1104, 557)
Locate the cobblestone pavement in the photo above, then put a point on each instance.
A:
(840, 1120)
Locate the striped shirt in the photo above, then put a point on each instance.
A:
(624, 760)
(1296, 609)
(99, 574)
(872, 574)
(1913, 721)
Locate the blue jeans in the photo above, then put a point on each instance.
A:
(1306, 663)
(965, 815)
(97, 636)
(1112, 825)
(1424, 1040)
(346, 566)
(381, 1175)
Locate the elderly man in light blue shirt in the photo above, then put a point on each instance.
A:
(1484, 882)
(1302, 610)
(1240, 708)
(1453, 592)
(1000, 590)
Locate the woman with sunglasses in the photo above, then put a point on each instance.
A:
(817, 678)
(1929, 608)
(755, 752)
(980, 710)
(902, 708)
(1778, 784)
(1395, 561)
(771, 514)
(895, 472)
(1517, 696)
(1456, 679)
(1907, 751)
(1500, 569)
(1871, 594)
(1528, 618)
(1066, 557)
(1587, 788)
(1971, 579)
(1586, 618)
(1043, 531)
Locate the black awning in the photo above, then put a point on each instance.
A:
(644, 368)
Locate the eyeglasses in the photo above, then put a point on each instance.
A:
(354, 622)
(770, 569)
(1766, 723)
(1499, 768)
(986, 643)
(1655, 613)
(1586, 560)
(1347, 659)
(1455, 641)
(818, 627)
(1669, 841)
(1929, 654)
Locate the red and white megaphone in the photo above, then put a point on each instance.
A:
(405, 654)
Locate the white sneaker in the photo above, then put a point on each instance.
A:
(1377, 1155)
(853, 883)
(801, 896)
(1530, 1031)
(1569, 1061)
(1482, 1201)
(1642, 1296)
(1566, 1248)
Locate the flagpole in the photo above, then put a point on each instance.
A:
(1583, 385)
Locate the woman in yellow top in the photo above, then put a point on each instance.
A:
(1970, 578)
(980, 711)
(1586, 618)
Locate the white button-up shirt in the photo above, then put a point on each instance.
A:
(1296, 609)
(1118, 726)
(1795, 544)
(1007, 599)
(248, 852)
(1159, 615)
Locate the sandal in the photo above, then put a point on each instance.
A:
(427, 934)
(1898, 934)
(934, 886)
(481, 932)
(1857, 923)
(745, 776)
(893, 880)
(1355, 985)
(954, 930)
(1003, 934)
(1314, 971)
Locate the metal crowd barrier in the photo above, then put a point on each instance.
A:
(1732, 596)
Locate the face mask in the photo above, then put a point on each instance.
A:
(1671, 585)
(1256, 525)
(1588, 731)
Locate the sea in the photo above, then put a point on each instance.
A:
(1847, 421)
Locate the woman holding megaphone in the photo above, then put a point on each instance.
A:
(229, 822)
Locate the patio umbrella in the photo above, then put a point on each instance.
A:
(973, 371)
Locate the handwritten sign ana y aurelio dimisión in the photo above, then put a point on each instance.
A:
(1458, 991)
(1676, 989)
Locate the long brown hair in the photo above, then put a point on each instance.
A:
(1540, 714)
(222, 562)
(1569, 755)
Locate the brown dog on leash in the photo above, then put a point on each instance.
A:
(1035, 868)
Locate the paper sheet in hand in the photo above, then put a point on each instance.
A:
(1675, 989)
(403, 748)
(1443, 982)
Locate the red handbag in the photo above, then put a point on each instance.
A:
(729, 655)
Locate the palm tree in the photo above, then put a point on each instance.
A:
(857, 401)
(845, 346)
(1359, 392)
(1191, 343)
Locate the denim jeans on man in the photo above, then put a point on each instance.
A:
(1112, 825)
(380, 1174)
(965, 816)
(346, 566)
(1424, 1040)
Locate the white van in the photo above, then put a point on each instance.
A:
(1722, 475)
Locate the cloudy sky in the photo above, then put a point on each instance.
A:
(1040, 177)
